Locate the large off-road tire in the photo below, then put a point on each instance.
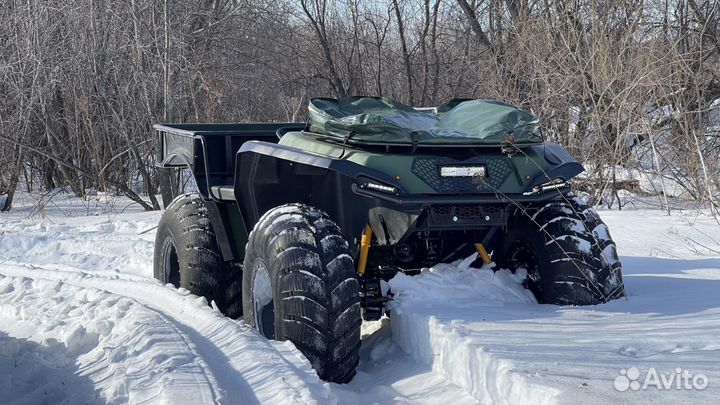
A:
(568, 253)
(300, 284)
(187, 255)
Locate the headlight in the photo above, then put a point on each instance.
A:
(377, 186)
(553, 184)
(380, 187)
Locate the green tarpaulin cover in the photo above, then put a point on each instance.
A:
(381, 120)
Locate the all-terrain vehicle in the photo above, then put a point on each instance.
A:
(295, 226)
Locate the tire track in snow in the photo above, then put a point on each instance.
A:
(403, 379)
(248, 368)
(123, 348)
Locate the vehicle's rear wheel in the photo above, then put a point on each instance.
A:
(567, 251)
(187, 255)
(299, 284)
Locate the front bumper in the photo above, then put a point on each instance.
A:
(394, 217)
(486, 198)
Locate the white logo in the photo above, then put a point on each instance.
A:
(678, 380)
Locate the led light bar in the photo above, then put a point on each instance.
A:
(553, 184)
(462, 171)
(380, 187)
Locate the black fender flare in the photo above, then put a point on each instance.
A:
(263, 168)
(565, 166)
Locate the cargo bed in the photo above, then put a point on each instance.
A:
(213, 146)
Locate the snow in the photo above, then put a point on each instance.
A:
(91, 344)
(502, 348)
(108, 253)
(83, 321)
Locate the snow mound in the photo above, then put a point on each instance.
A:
(421, 330)
(466, 285)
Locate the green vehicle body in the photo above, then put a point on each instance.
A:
(526, 166)
(396, 186)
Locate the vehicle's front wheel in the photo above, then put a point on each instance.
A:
(300, 284)
(567, 251)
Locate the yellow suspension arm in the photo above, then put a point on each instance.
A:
(483, 253)
(365, 242)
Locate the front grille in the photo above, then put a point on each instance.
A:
(467, 214)
(427, 169)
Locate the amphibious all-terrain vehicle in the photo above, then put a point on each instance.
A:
(295, 225)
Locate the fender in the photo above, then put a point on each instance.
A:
(564, 167)
(268, 175)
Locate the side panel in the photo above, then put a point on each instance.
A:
(269, 175)
(176, 150)
(264, 181)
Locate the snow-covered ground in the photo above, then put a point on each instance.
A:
(82, 321)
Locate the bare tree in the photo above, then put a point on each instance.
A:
(629, 86)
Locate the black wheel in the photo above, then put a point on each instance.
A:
(568, 253)
(300, 284)
(187, 255)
